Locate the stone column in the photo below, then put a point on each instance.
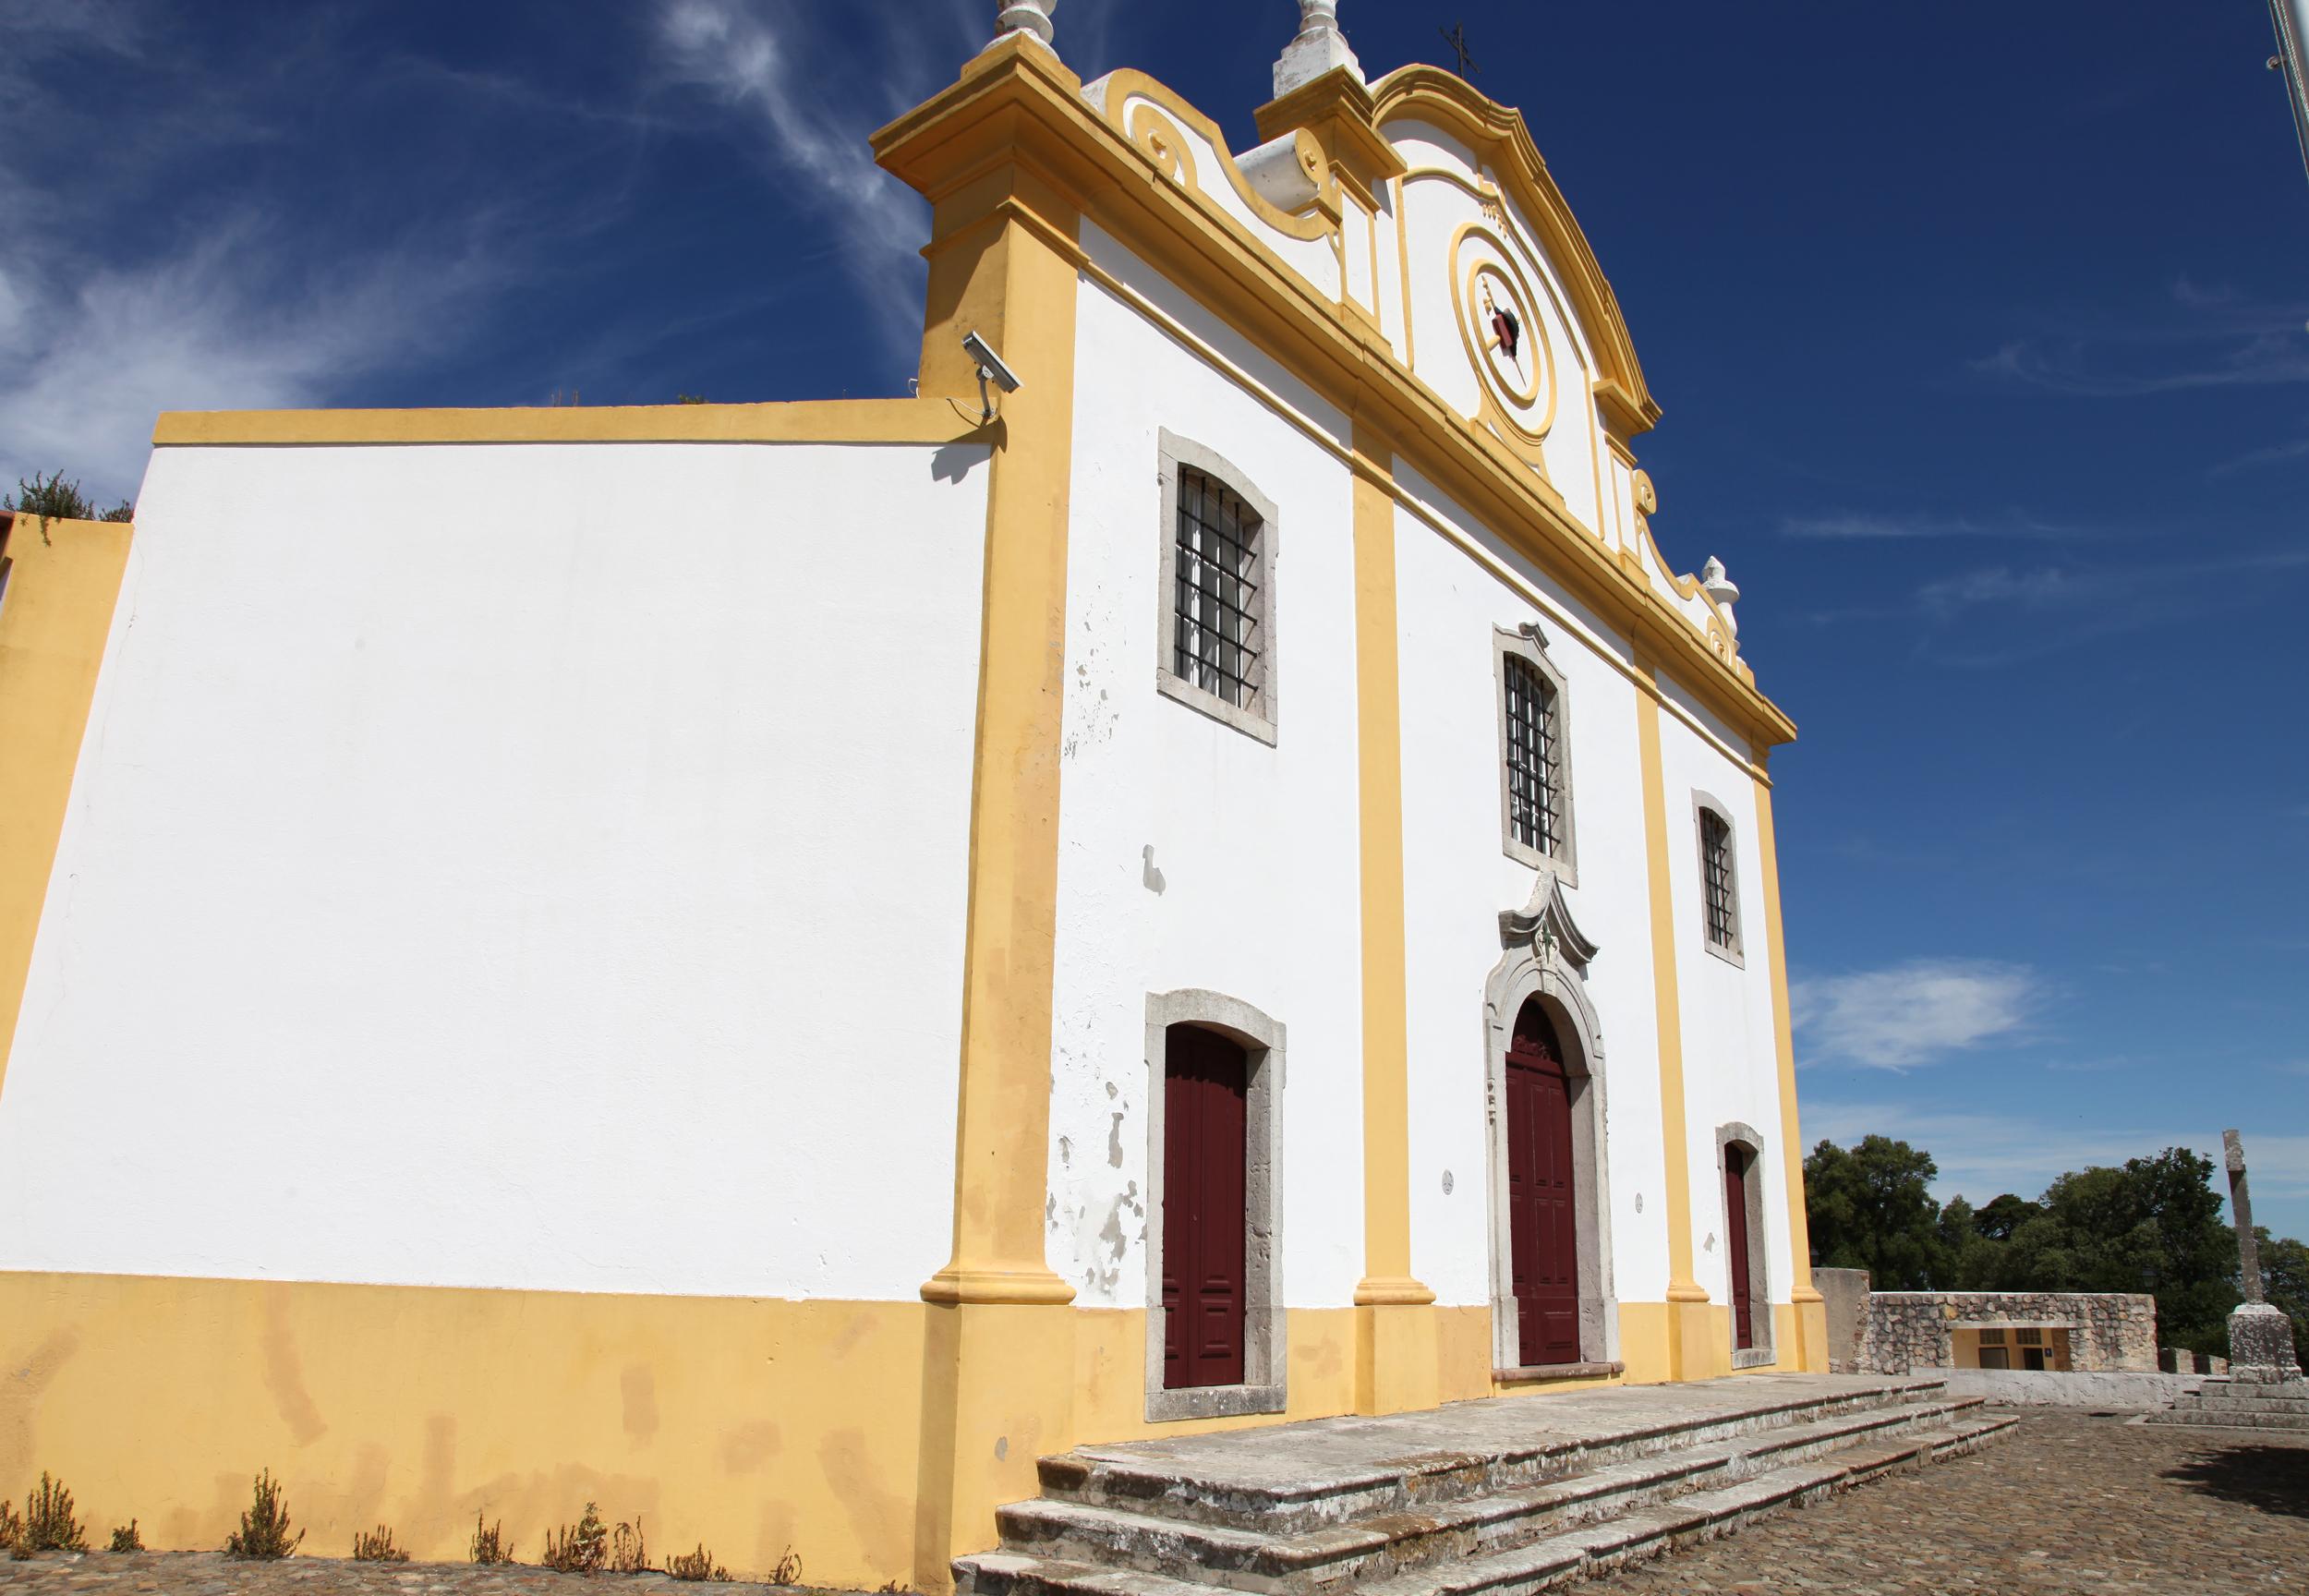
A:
(2260, 1335)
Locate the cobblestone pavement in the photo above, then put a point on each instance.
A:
(2064, 1503)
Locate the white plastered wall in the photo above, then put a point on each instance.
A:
(1192, 855)
(1731, 1054)
(536, 867)
(1457, 879)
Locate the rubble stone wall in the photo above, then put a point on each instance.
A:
(2107, 1333)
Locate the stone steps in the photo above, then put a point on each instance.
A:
(1323, 1495)
(2240, 1406)
(1307, 1561)
(1511, 1514)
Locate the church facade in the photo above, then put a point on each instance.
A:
(1202, 871)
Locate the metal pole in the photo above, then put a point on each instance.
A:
(2290, 19)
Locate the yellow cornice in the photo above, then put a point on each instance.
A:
(1497, 134)
(806, 421)
(1015, 106)
(1123, 84)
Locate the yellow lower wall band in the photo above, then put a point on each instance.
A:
(754, 1425)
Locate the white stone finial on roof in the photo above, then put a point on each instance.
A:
(1723, 589)
(1319, 48)
(1028, 16)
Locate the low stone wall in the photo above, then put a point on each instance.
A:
(2118, 1393)
(1909, 1330)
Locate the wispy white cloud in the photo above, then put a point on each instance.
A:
(2211, 338)
(808, 102)
(2272, 455)
(1859, 526)
(99, 351)
(1913, 1014)
(2052, 608)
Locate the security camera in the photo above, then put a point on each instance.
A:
(990, 366)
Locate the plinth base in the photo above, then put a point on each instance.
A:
(2261, 1346)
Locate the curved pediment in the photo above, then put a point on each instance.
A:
(1546, 925)
(1500, 140)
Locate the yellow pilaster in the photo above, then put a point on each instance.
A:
(63, 582)
(1810, 1310)
(998, 1349)
(1396, 1346)
(1692, 1351)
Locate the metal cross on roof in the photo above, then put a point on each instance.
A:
(1458, 39)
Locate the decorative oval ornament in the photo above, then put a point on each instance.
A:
(1505, 338)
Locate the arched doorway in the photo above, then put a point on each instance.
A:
(1206, 1093)
(1542, 1193)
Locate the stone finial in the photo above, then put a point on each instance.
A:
(1319, 48)
(1028, 17)
(1722, 588)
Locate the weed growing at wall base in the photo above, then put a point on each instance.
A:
(376, 1546)
(49, 1525)
(579, 1548)
(125, 1538)
(696, 1567)
(490, 1544)
(264, 1528)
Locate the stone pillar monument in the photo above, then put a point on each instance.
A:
(2260, 1335)
(1319, 48)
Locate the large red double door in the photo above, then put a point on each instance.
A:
(1205, 1093)
(1542, 1195)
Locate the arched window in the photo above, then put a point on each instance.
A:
(1534, 760)
(1218, 632)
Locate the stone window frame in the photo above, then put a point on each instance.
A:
(1259, 719)
(1527, 643)
(1265, 1325)
(1705, 803)
(1762, 1320)
(1538, 969)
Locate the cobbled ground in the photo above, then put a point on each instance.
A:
(2065, 1503)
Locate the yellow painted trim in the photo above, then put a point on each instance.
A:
(1683, 1289)
(1403, 264)
(805, 421)
(1127, 84)
(1812, 1350)
(1395, 1340)
(754, 1425)
(63, 583)
(998, 1341)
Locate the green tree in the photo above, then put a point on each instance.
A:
(2005, 1213)
(1871, 1208)
(2285, 1281)
(53, 496)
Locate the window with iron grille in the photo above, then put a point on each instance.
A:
(1217, 591)
(1719, 881)
(1535, 808)
(2028, 1336)
(1534, 752)
(1992, 1336)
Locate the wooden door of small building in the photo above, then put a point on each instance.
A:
(1542, 1217)
(1735, 1179)
(1206, 1086)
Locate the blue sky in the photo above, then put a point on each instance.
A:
(1979, 329)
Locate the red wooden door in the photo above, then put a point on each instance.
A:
(1204, 1079)
(1543, 1224)
(1735, 1229)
